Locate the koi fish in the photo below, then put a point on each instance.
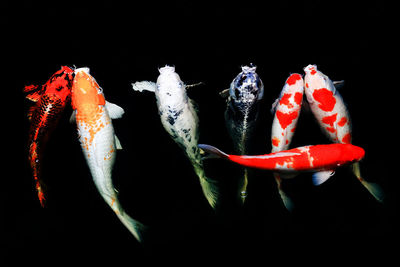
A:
(179, 118)
(245, 94)
(287, 111)
(50, 101)
(314, 158)
(329, 109)
(93, 115)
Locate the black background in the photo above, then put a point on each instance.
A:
(206, 42)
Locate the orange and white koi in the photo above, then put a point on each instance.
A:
(50, 101)
(329, 109)
(314, 158)
(93, 115)
(287, 111)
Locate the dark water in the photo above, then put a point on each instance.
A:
(206, 43)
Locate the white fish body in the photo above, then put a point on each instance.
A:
(98, 141)
(287, 111)
(179, 118)
(330, 111)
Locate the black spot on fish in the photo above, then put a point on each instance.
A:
(187, 134)
(173, 115)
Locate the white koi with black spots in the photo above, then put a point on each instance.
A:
(179, 118)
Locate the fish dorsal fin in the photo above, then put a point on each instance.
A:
(114, 111)
(33, 92)
(144, 85)
(319, 178)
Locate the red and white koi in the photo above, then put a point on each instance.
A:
(287, 111)
(332, 115)
(314, 158)
(93, 115)
(50, 101)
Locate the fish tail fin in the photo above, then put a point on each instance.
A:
(209, 186)
(40, 192)
(287, 201)
(374, 188)
(243, 186)
(213, 151)
(135, 227)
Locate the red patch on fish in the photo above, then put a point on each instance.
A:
(286, 119)
(330, 119)
(298, 97)
(285, 100)
(325, 98)
(346, 139)
(342, 121)
(293, 78)
(275, 141)
(331, 129)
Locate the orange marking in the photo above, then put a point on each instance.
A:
(88, 103)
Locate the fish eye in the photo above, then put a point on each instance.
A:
(59, 88)
(100, 90)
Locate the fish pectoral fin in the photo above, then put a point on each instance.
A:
(274, 105)
(33, 92)
(193, 85)
(319, 178)
(114, 111)
(117, 143)
(72, 119)
(224, 93)
(338, 84)
(144, 85)
(30, 112)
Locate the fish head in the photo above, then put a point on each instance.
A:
(247, 87)
(60, 83)
(85, 89)
(314, 79)
(169, 80)
(352, 153)
(294, 84)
